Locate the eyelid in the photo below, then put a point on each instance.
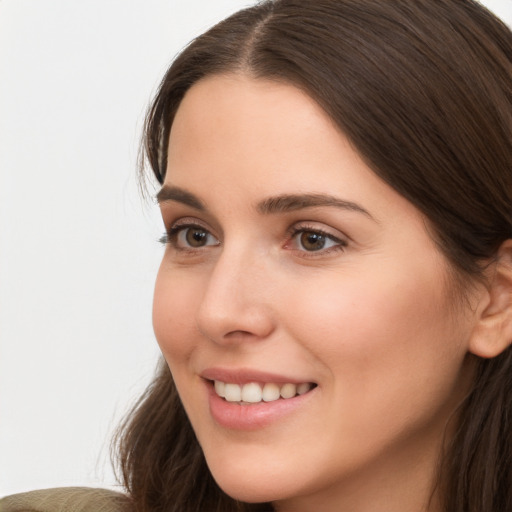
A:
(318, 227)
(189, 222)
(305, 227)
(184, 223)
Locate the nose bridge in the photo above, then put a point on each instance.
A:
(235, 301)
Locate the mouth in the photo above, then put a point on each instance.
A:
(257, 392)
(247, 399)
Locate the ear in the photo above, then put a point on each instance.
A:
(492, 333)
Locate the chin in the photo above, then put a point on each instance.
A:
(248, 483)
(249, 491)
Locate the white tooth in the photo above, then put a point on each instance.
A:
(303, 388)
(219, 388)
(270, 392)
(288, 390)
(251, 393)
(232, 392)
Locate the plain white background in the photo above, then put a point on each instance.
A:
(78, 247)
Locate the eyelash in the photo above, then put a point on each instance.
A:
(170, 238)
(304, 228)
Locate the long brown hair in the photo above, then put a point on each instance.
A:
(423, 89)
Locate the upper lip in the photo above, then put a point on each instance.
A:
(246, 375)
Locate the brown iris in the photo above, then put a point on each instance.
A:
(312, 241)
(196, 237)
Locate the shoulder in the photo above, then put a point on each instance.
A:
(67, 499)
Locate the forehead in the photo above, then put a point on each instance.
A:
(230, 125)
(224, 108)
(242, 139)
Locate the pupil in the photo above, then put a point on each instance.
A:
(312, 241)
(196, 237)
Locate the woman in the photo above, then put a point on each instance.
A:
(337, 190)
(335, 299)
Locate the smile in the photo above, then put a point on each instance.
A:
(253, 392)
(246, 399)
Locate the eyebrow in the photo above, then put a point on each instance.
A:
(293, 202)
(168, 193)
(272, 205)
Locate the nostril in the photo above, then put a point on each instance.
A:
(239, 335)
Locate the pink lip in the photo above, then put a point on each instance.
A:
(233, 416)
(246, 375)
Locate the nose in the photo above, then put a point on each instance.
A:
(236, 304)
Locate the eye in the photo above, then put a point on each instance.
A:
(315, 240)
(194, 237)
(189, 237)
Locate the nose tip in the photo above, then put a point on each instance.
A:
(235, 306)
(237, 323)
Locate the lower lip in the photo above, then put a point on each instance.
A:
(233, 416)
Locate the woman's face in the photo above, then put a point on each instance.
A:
(292, 268)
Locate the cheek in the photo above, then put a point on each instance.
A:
(347, 313)
(175, 329)
(386, 341)
(174, 314)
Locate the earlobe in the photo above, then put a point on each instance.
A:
(492, 333)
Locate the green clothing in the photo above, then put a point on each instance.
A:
(66, 499)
